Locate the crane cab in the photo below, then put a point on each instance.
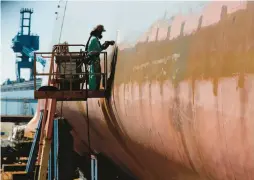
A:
(68, 75)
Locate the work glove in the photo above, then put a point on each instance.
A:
(110, 42)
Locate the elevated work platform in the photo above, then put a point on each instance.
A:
(70, 73)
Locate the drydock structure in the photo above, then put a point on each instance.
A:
(175, 105)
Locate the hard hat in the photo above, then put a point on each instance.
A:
(100, 28)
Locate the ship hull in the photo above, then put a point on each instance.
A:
(207, 138)
(179, 109)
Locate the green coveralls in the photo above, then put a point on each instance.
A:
(95, 67)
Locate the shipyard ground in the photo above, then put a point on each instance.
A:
(70, 165)
(107, 170)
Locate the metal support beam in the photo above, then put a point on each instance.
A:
(56, 148)
(34, 149)
(44, 160)
(51, 163)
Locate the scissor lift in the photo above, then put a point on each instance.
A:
(67, 81)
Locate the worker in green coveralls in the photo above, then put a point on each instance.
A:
(94, 47)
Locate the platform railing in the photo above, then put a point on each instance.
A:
(68, 69)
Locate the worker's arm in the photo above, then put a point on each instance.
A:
(94, 45)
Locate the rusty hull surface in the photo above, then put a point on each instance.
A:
(181, 109)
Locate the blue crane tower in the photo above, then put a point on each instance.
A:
(24, 44)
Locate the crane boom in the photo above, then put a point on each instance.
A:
(30, 53)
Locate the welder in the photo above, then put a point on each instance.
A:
(94, 47)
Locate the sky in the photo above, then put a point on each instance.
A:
(131, 18)
(42, 24)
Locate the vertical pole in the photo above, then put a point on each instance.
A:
(71, 73)
(29, 28)
(94, 171)
(92, 168)
(22, 23)
(56, 138)
(34, 71)
(51, 114)
(51, 165)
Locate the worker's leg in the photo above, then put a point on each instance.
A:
(92, 77)
(94, 80)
